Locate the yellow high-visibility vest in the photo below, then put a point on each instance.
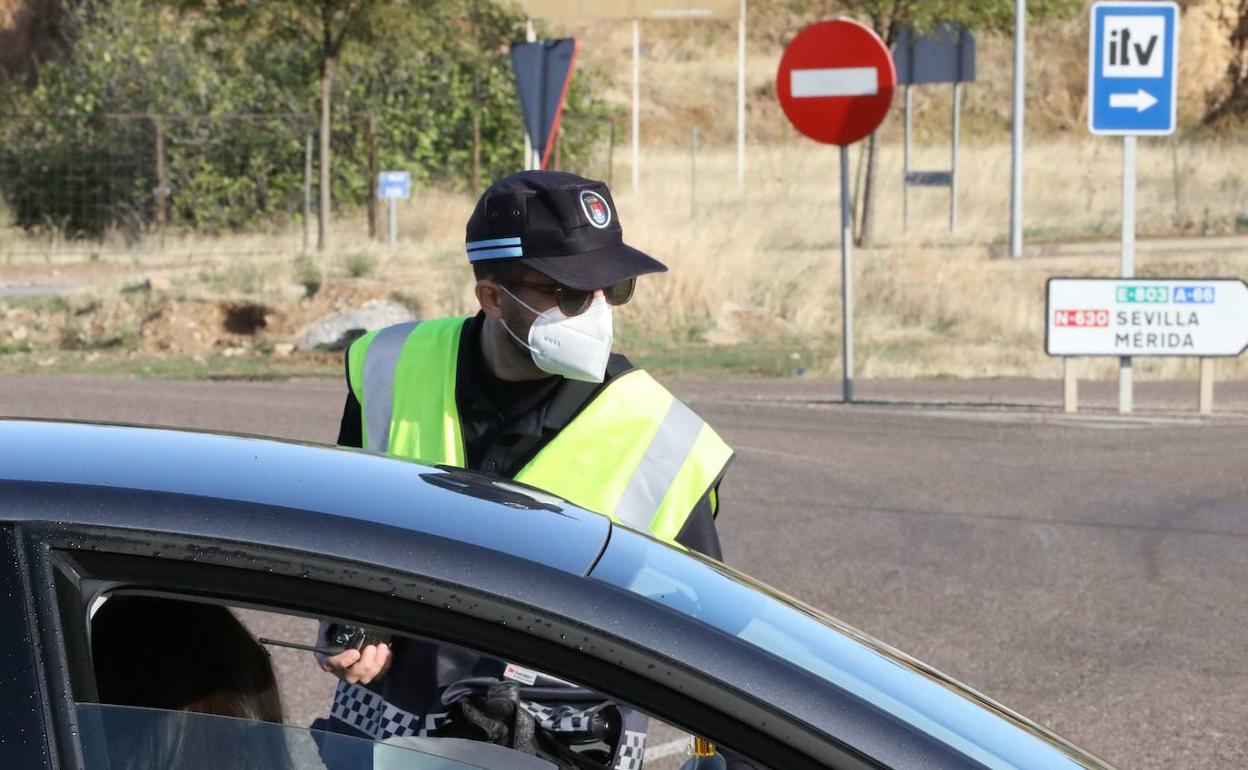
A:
(634, 453)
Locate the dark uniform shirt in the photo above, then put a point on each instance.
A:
(506, 423)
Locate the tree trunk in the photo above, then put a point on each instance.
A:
(374, 172)
(327, 88)
(476, 152)
(866, 234)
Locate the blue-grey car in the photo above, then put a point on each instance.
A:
(89, 512)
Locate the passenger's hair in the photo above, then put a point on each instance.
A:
(186, 659)
(181, 656)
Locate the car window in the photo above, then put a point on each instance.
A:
(193, 684)
(715, 594)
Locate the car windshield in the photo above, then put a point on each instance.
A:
(848, 659)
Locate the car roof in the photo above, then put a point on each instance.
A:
(348, 491)
(345, 488)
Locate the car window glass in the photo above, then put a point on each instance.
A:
(718, 596)
(129, 737)
(196, 675)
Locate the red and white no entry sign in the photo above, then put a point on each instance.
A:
(836, 81)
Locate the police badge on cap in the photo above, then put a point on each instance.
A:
(596, 209)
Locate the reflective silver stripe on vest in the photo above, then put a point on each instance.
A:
(663, 459)
(379, 362)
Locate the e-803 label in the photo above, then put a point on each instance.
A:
(1152, 295)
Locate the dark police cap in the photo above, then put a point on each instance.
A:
(559, 224)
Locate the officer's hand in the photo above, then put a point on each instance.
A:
(359, 666)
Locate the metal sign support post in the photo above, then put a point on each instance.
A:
(1125, 381)
(394, 223)
(847, 309)
(905, 163)
(953, 174)
(1016, 157)
(530, 36)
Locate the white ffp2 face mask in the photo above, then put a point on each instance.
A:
(576, 347)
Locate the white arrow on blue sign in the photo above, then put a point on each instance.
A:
(1133, 60)
(394, 184)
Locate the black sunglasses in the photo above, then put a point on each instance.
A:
(573, 302)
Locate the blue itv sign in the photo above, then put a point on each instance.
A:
(1133, 63)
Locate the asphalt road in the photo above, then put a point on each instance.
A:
(1089, 572)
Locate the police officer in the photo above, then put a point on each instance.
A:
(528, 388)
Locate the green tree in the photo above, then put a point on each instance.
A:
(77, 151)
(326, 26)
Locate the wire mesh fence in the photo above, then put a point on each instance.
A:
(125, 181)
(135, 183)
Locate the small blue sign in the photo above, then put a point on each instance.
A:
(1133, 61)
(1195, 295)
(394, 184)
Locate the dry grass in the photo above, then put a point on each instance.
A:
(760, 271)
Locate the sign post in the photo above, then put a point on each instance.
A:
(1201, 318)
(1133, 57)
(835, 83)
(947, 55)
(393, 186)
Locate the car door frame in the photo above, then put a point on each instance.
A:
(64, 560)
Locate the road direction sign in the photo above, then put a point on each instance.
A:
(1154, 317)
(394, 184)
(543, 75)
(835, 82)
(1133, 58)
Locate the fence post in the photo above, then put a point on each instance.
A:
(610, 149)
(476, 152)
(307, 191)
(162, 177)
(370, 142)
(693, 175)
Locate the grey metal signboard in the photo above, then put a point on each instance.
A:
(945, 55)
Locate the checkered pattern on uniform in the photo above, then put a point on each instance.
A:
(561, 718)
(372, 715)
(632, 751)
